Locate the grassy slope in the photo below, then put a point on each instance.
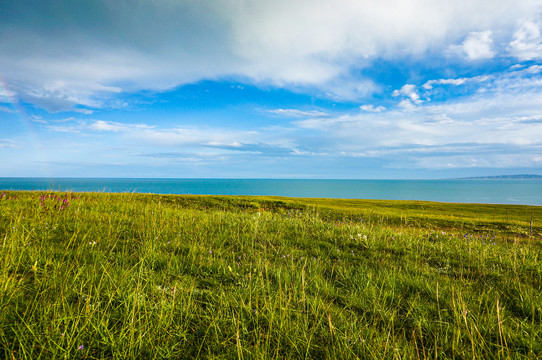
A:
(149, 276)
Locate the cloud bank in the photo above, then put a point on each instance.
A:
(61, 54)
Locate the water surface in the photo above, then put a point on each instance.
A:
(527, 192)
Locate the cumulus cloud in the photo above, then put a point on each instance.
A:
(73, 53)
(477, 45)
(409, 91)
(410, 95)
(527, 43)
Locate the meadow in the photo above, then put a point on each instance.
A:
(139, 276)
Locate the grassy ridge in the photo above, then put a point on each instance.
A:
(148, 276)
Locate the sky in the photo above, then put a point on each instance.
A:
(330, 89)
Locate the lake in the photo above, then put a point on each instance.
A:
(526, 192)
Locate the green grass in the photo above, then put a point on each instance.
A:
(132, 276)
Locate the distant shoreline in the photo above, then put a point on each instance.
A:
(504, 177)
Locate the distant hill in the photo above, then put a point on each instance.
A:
(506, 177)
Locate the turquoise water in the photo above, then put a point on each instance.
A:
(527, 192)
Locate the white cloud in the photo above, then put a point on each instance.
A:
(501, 127)
(65, 120)
(147, 135)
(534, 69)
(298, 113)
(53, 94)
(456, 82)
(495, 161)
(407, 104)
(4, 143)
(195, 137)
(59, 62)
(343, 88)
(527, 43)
(477, 45)
(5, 94)
(429, 85)
(411, 97)
(75, 125)
(64, 129)
(38, 119)
(84, 111)
(372, 108)
(409, 91)
(100, 125)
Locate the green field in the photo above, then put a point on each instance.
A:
(133, 276)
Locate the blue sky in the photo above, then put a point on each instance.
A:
(270, 89)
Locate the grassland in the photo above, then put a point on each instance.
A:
(131, 276)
